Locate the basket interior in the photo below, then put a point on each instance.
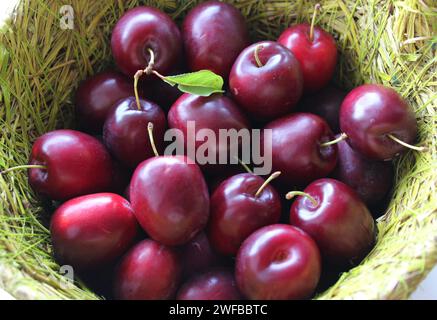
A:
(385, 42)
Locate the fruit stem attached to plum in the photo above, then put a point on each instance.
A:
(313, 20)
(274, 175)
(245, 166)
(27, 166)
(258, 48)
(148, 70)
(137, 75)
(406, 145)
(152, 140)
(342, 137)
(290, 195)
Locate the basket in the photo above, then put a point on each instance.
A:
(42, 62)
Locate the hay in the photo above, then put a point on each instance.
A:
(388, 42)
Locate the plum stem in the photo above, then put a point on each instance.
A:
(152, 140)
(148, 70)
(273, 176)
(342, 137)
(290, 195)
(245, 166)
(137, 76)
(407, 145)
(156, 73)
(258, 48)
(26, 166)
(313, 20)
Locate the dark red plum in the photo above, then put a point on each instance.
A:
(142, 29)
(149, 271)
(213, 113)
(72, 164)
(198, 256)
(371, 179)
(214, 33)
(92, 231)
(217, 284)
(372, 115)
(325, 103)
(170, 199)
(297, 149)
(317, 54)
(96, 96)
(266, 80)
(237, 210)
(125, 131)
(336, 218)
(278, 262)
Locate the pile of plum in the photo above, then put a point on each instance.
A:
(171, 228)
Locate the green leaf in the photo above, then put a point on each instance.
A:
(201, 83)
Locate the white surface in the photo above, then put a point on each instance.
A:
(6, 6)
(426, 290)
(5, 296)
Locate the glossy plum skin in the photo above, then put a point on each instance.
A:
(198, 256)
(317, 58)
(214, 112)
(370, 112)
(170, 199)
(214, 33)
(278, 262)
(77, 164)
(96, 95)
(140, 29)
(325, 103)
(216, 284)
(269, 91)
(125, 131)
(236, 212)
(149, 271)
(91, 231)
(371, 179)
(296, 150)
(341, 224)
